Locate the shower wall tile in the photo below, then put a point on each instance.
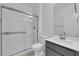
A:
(12, 43)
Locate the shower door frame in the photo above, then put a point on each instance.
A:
(9, 8)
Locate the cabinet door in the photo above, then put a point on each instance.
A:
(50, 52)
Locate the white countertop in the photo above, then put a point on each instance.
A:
(69, 42)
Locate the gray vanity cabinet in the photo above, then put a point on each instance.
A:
(50, 52)
(53, 49)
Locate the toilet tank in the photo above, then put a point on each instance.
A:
(42, 39)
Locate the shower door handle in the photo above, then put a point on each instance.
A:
(8, 33)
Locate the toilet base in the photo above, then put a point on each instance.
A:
(38, 49)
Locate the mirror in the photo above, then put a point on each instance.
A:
(65, 20)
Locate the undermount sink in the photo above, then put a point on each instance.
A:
(70, 40)
(66, 41)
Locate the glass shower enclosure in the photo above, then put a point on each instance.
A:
(19, 30)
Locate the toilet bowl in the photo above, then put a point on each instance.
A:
(38, 49)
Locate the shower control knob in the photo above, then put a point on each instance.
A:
(34, 27)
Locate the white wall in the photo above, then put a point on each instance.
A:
(46, 19)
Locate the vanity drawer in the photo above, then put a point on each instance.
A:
(50, 52)
(60, 49)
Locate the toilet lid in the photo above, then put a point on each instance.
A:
(37, 45)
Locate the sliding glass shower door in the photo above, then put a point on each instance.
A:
(17, 32)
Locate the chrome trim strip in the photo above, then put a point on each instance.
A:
(6, 7)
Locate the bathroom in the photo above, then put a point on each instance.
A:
(39, 29)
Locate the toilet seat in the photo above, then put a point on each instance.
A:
(37, 45)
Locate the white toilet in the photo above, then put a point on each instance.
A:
(40, 47)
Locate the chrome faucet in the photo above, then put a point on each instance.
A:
(62, 35)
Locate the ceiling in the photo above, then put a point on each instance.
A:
(59, 6)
